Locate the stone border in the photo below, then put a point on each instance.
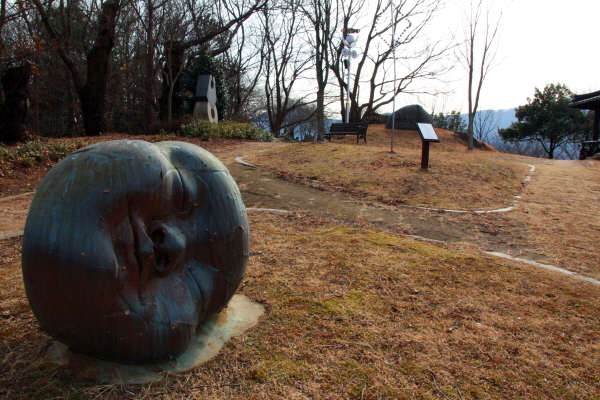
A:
(546, 266)
(498, 210)
(9, 198)
(491, 253)
(11, 235)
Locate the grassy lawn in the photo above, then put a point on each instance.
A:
(561, 209)
(358, 311)
(456, 179)
(354, 311)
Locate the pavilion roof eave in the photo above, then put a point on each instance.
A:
(588, 101)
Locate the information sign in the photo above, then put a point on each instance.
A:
(427, 132)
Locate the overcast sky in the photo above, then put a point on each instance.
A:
(541, 42)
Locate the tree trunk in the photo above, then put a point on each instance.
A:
(149, 82)
(92, 95)
(321, 114)
(175, 52)
(14, 110)
(71, 109)
(470, 143)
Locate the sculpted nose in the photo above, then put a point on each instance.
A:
(168, 243)
(159, 248)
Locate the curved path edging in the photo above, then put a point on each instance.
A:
(498, 210)
(9, 198)
(240, 160)
(492, 253)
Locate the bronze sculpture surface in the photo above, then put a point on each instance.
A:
(129, 246)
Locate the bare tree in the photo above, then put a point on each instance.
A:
(418, 61)
(477, 53)
(285, 61)
(92, 93)
(244, 67)
(323, 23)
(151, 16)
(485, 124)
(198, 24)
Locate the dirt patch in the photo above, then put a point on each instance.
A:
(14, 213)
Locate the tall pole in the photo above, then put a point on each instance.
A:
(348, 41)
(348, 102)
(394, 61)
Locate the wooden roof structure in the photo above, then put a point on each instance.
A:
(589, 101)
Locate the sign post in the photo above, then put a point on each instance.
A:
(428, 135)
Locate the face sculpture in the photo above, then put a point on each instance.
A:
(129, 246)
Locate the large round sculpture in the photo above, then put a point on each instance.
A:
(129, 246)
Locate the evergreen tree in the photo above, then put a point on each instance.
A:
(547, 119)
(452, 122)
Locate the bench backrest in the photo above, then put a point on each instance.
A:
(358, 127)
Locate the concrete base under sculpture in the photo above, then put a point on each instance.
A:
(240, 315)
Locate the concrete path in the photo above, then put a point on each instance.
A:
(261, 189)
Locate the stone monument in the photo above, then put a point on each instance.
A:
(408, 116)
(130, 246)
(206, 98)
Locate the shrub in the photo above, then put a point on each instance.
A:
(205, 130)
(35, 151)
(163, 136)
(4, 153)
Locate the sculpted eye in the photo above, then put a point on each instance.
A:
(185, 192)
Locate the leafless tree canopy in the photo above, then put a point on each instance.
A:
(117, 65)
(478, 52)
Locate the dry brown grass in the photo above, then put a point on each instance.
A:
(561, 208)
(456, 179)
(355, 311)
(558, 214)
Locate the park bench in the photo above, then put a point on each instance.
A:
(351, 128)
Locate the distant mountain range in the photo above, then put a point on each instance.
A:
(506, 117)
